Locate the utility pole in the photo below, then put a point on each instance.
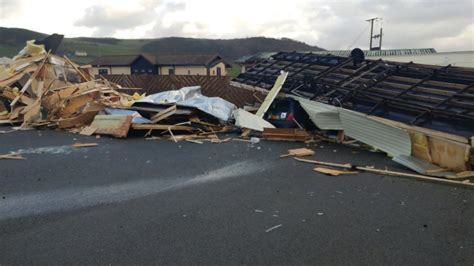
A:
(372, 36)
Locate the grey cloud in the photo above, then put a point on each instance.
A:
(407, 24)
(173, 7)
(177, 28)
(9, 8)
(107, 21)
(335, 24)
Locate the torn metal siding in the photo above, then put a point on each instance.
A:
(392, 140)
(324, 116)
(422, 167)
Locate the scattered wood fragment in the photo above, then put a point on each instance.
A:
(241, 140)
(12, 156)
(346, 166)
(333, 172)
(416, 176)
(162, 127)
(163, 114)
(115, 125)
(174, 126)
(301, 152)
(393, 173)
(88, 131)
(285, 134)
(84, 145)
(194, 141)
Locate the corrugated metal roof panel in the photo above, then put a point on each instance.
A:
(387, 52)
(324, 116)
(390, 139)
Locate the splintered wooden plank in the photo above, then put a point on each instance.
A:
(333, 172)
(23, 99)
(269, 99)
(84, 118)
(164, 114)
(162, 127)
(115, 125)
(32, 113)
(84, 145)
(73, 105)
(285, 134)
(28, 83)
(298, 152)
(79, 71)
(12, 156)
(346, 165)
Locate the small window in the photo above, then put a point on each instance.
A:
(143, 70)
(189, 72)
(103, 71)
(135, 70)
(171, 71)
(149, 70)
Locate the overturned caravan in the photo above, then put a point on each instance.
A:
(410, 111)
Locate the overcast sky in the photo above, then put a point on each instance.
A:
(447, 25)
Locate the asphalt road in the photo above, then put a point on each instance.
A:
(136, 201)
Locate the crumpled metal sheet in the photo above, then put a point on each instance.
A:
(324, 116)
(423, 167)
(390, 139)
(192, 97)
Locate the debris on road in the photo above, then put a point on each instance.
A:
(273, 228)
(333, 172)
(85, 145)
(12, 156)
(378, 105)
(285, 134)
(42, 89)
(465, 183)
(301, 152)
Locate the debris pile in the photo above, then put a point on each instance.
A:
(40, 89)
(186, 112)
(47, 90)
(345, 100)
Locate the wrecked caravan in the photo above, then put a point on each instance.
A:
(410, 111)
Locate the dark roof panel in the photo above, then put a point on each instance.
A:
(208, 60)
(114, 60)
(186, 59)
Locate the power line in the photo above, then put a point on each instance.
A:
(358, 37)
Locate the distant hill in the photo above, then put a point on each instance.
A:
(12, 41)
(231, 49)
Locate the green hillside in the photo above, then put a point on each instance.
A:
(12, 40)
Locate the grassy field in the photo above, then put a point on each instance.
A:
(93, 49)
